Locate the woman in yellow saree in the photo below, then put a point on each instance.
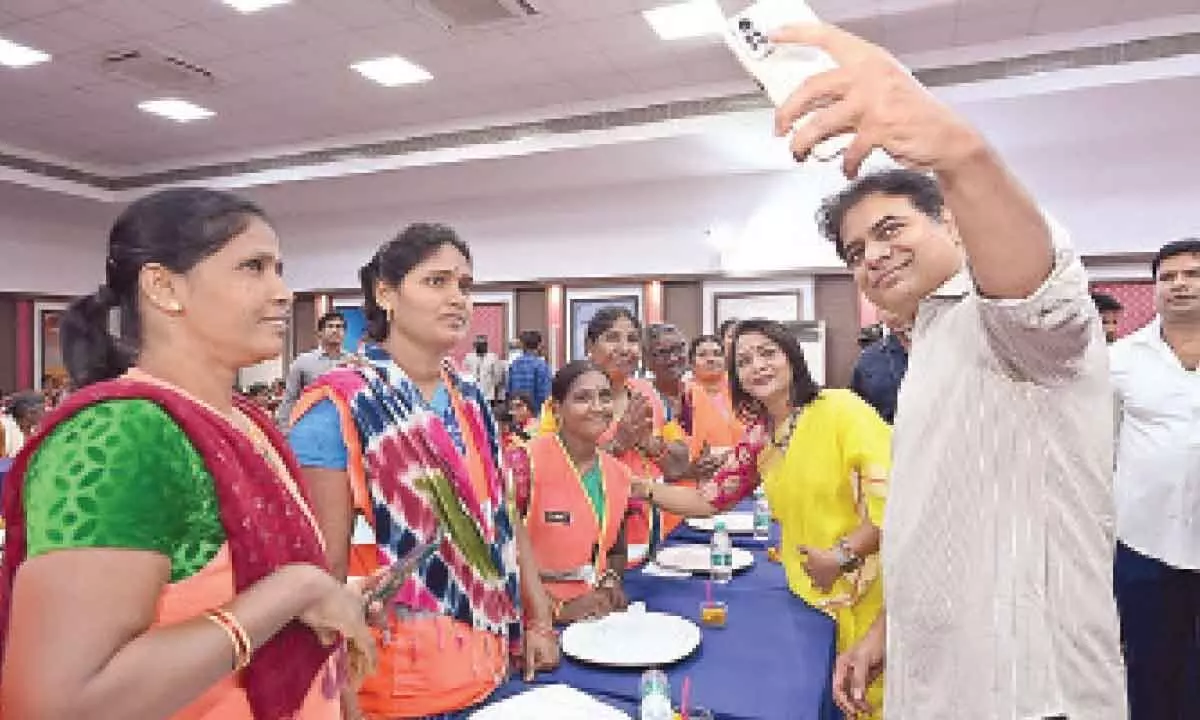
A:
(822, 456)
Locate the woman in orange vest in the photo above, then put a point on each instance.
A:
(640, 435)
(573, 498)
(707, 415)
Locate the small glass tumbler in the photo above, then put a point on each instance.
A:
(714, 613)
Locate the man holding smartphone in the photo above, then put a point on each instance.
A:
(998, 537)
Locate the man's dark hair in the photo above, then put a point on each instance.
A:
(920, 189)
(24, 403)
(1187, 246)
(328, 318)
(1106, 303)
(531, 340)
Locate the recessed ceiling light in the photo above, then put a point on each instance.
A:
(250, 6)
(18, 56)
(392, 71)
(694, 18)
(176, 109)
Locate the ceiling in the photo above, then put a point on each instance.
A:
(1083, 139)
(282, 78)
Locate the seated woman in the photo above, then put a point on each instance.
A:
(162, 558)
(823, 457)
(414, 448)
(573, 497)
(523, 423)
(707, 414)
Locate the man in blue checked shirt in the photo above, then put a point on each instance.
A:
(529, 373)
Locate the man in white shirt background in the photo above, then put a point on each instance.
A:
(1157, 484)
(486, 369)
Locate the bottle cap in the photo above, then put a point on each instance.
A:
(720, 525)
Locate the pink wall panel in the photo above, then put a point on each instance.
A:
(490, 319)
(1138, 299)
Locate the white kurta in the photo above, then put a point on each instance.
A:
(999, 532)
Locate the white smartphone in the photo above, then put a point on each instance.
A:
(397, 573)
(780, 69)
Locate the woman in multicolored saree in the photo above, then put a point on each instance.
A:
(414, 449)
(823, 457)
(162, 560)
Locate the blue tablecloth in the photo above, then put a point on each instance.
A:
(773, 661)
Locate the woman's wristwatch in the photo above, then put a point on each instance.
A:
(610, 579)
(848, 560)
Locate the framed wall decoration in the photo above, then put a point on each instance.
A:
(779, 300)
(782, 307)
(351, 308)
(48, 365)
(493, 315)
(582, 306)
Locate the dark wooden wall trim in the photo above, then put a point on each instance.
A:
(530, 312)
(683, 306)
(304, 326)
(9, 350)
(836, 301)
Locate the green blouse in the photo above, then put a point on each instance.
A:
(122, 474)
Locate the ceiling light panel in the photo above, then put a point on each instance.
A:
(175, 109)
(392, 71)
(253, 6)
(15, 55)
(693, 18)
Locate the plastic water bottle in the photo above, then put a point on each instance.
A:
(721, 554)
(656, 696)
(762, 516)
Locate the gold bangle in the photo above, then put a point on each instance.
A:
(238, 637)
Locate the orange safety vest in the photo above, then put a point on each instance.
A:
(645, 525)
(713, 421)
(564, 529)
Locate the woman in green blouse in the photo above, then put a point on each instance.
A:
(156, 535)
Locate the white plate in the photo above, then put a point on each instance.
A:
(634, 639)
(550, 702)
(736, 523)
(698, 558)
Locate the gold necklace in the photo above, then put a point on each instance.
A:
(781, 440)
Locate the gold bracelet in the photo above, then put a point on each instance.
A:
(238, 637)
